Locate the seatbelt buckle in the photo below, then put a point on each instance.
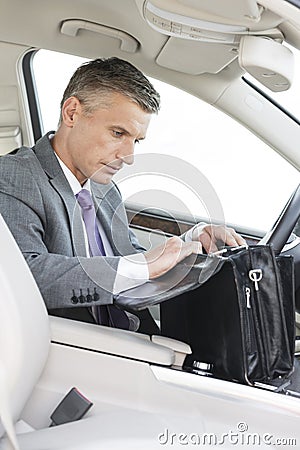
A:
(72, 407)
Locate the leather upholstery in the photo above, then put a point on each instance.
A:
(24, 325)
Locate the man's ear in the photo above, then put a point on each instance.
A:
(70, 109)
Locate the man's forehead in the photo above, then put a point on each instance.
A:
(117, 99)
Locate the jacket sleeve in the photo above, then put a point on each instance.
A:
(63, 279)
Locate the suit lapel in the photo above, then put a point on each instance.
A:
(58, 181)
(112, 217)
(61, 185)
(104, 210)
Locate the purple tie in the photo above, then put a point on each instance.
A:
(89, 217)
(109, 315)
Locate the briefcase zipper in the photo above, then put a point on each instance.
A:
(251, 344)
(248, 295)
(256, 275)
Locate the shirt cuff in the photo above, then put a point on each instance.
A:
(132, 271)
(193, 233)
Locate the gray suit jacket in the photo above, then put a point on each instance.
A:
(38, 205)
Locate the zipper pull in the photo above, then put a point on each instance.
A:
(255, 275)
(248, 293)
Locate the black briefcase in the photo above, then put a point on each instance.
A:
(243, 324)
(236, 310)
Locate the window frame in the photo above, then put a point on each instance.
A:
(32, 94)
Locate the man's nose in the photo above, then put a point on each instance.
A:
(128, 159)
(127, 154)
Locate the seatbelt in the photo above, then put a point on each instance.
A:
(5, 415)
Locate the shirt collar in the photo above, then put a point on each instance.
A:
(72, 180)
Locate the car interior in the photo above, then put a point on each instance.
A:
(138, 384)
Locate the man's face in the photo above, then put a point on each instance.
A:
(98, 144)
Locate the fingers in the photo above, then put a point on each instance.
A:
(189, 248)
(164, 257)
(208, 242)
(232, 238)
(238, 238)
(213, 233)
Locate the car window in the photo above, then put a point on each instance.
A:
(208, 149)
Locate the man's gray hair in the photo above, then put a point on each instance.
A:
(94, 80)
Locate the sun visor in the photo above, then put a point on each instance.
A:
(268, 61)
(179, 54)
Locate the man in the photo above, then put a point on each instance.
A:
(105, 111)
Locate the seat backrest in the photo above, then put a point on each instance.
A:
(24, 325)
(10, 138)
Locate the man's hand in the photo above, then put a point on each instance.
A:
(209, 235)
(165, 256)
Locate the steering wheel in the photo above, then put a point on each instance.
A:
(285, 223)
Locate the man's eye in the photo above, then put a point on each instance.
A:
(117, 133)
(137, 141)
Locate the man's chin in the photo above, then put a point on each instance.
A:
(101, 178)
